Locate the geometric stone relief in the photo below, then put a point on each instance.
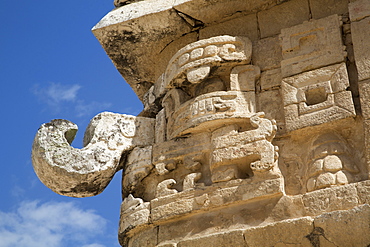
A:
(311, 45)
(316, 97)
(208, 130)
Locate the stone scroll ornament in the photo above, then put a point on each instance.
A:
(86, 172)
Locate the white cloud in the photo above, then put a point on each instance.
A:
(85, 109)
(54, 224)
(55, 93)
(61, 97)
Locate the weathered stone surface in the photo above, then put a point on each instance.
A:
(358, 10)
(364, 91)
(363, 192)
(283, 233)
(285, 15)
(330, 199)
(138, 166)
(310, 97)
(321, 9)
(195, 60)
(361, 42)
(245, 26)
(345, 228)
(233, 238)
(267, 53)
(147, 237)
(271, 79)
(86, 172)
(311, 45)
(186, 202)
(134, 212)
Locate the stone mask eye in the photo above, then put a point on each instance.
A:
(209, 86)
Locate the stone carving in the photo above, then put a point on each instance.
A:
(330, 163)
(311, 45)
(316, 97)
(86, 172)
(238, 136)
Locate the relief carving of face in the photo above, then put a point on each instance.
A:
(208, 130)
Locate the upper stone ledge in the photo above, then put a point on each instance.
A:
(135, 36)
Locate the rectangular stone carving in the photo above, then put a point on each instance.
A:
(316, 97)
(311, 45)
(191, 201)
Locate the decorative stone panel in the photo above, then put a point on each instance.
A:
(316, 97)
(311, 45)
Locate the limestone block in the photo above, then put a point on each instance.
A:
(267, 53)
(160, 126)
(316, 97)
(346, 228)
(271, 104)
(358, 10)
(271, 79)
(134, 212)
(219, 10)
(86, 172)
(124, 31)
(193, 62)
(367, 144)
(285, 15)
(361, 44)
(363, 191)
(138, 165)
(364, 91)
(147, 238)
(330, 199)
(311, 45)
(241, 26)
(284, 233)
(231, 238)
(321, 9)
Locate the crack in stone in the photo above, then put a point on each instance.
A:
(314, 237)
(190, 21)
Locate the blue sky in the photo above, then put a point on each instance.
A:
(53, 67)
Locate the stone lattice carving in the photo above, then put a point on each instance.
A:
(317, 96)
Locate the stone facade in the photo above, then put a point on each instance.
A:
(255, 129)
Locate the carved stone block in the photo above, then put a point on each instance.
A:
(208, 110)
(311, 45)
(134, 212)
(138, 166)
(316, 97)
(193, 62)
